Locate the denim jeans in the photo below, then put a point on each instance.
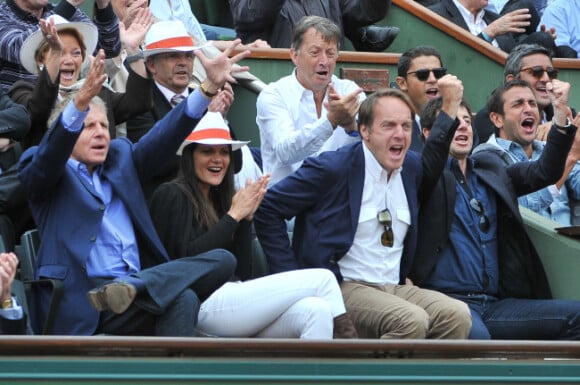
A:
(514, 318)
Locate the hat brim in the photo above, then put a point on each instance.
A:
(155, 51)
(88, 31)
(236, 144)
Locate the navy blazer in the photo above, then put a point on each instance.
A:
(448, 10)
(521, 274)
(325, 195)
(68, 211)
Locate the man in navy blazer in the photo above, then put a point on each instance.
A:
(95, 229)
(356, 214)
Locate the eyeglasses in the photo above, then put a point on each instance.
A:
(386, 220)
(423, 74)
(480, 210)
(538, 72)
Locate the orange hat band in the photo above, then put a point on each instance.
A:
(211, 133)
(181, 41)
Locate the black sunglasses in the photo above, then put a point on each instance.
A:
(385, 220)
(480, 210)
(423, 74)
(538, 72)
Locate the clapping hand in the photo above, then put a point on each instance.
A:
(247, 199)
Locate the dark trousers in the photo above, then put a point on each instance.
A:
(531, 319)
(169, 296)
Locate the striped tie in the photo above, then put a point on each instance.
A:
(176, 99)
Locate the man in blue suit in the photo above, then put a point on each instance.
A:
(95, 229)
(356, 214)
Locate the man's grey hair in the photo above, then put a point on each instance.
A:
(513, 63)
(329, 31)
(60, 106)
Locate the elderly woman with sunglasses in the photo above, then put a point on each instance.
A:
(199, 211)
(57, 52)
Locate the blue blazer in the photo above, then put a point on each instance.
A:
(325, 195)
(68, 211)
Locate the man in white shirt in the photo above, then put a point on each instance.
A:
(311, 110)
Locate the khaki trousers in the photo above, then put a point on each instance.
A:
(404, 311)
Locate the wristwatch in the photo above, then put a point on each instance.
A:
(7, 303)
(568, 128)
(206, 92)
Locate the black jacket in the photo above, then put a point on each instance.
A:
(521, 274)
(274, 20)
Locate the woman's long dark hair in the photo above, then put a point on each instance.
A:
(206, 213)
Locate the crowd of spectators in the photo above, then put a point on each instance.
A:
(393, 214)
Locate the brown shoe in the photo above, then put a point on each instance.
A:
(114, 296)
(343, 327)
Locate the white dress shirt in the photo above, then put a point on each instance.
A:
(290, 129)
(475, 24)
(368, 260)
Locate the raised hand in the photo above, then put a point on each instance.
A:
(53, 56)
(220, 69)
(93, 82)
(134, 35)
(559, 93)
(131, 10)
(451, 90)
(247, 199)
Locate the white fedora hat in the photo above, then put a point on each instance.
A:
(88, 31)
(168, 36)
(212, 130)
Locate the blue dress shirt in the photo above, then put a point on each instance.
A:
(469, 262)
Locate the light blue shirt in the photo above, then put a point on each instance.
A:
(564, 16)
(548, 202)
(115, 252)
(496, 5)
(13, 313)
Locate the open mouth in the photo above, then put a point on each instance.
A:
(99, 148)
(541, 89)
(215, 170)
(432, 92)
(462, 139)
(528, 124)
(396, 150)
(67, 74)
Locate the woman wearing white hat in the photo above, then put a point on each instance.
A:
(199, 211)
(57, 52)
